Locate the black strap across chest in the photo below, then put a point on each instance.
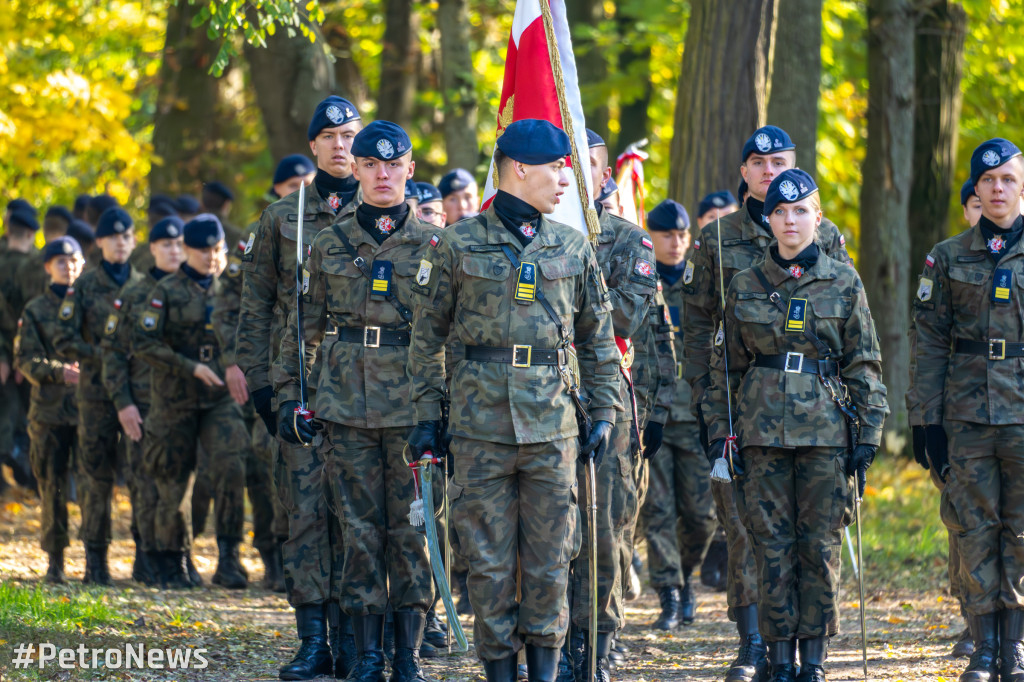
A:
(823, 348)
(360, 263)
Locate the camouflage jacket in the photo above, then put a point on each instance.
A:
(10, 290)
(125, 376)
(366, 387)
(173, 332)
(52, 401)
(661, 362)
(227, 301)
(466, 286)
(954, 301)
(625, 255)
(88, 310)
(682, 410)
(268, 282)
(142, 258)
(8, 330)
(31, 279)
(776, 408)
(744, 244)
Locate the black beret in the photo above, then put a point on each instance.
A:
(162, 206)
(115, 220)
(203, 231)
(609, 188)
(21, 205)
(61, 246)
(61, 212)
(22, 218)
(293, 166)
(220, 189)
(382, 140)
(668, 215)
(455, 180)
(101, 202)
(788, 187)
(187, 204)
(594, 140)
(330, 113)
(716, 200)
(428, 192)
(767, 140)
(967, 191)
(81, 231)
(411, 190)
(741, 190)
(534, 141)
(168, 228)
(81, 202)
(991, 154)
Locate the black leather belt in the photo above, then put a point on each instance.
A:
(373, 337)
(796, 363)
(517, 356)
(993, 349)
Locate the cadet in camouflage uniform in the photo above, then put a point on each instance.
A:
(362, 399)
(680, 487)
(52, 414)
(311, 556)
(966, 386)
(84, 315)
(794, 467)
(745, 240)
(32, 280)
(126, 379)
(514, 431)
(173, 332)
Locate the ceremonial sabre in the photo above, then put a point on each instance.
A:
(302, 411)
(720, 471)
(592, 517)
(861, 477)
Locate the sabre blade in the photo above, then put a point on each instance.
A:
(860, 583)
(303, 395)
(592, 498)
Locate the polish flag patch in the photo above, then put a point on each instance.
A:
(929, 261)
(647, 242)
(117, 304)
(157, 303)
(696, 245)
(435, 240)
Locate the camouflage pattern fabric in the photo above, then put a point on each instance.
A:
(52, 454)
(654, 364)
(312, 548)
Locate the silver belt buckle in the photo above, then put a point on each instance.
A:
(799, 362)
(371, 337)
(206, 352)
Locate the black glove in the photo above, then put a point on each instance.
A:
(261, 400)
(703, 430)
(857, 464)
(654, 436)
(717, 449)
(424, 438)
(918, 434)
(293, 427)
(594, 447)
(936, 446)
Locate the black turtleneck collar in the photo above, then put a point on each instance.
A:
(157, 273)
(119, 272)
(999, 240)
(670, 273)
(202, 280)
(381, 223)
(515, 214)
(799, 265)
(342, 188)
(59, 290)
(755, 209)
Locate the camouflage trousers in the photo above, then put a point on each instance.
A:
(141, 488)
(796, 502)
(679, 513)
(986, 485)
(269, 520)
(10, 413)
(385, 557)
(514, 508)
(98, 430)
(953, 530)
(170, 458)
(615, 483)
(52, 452)
(202, 492)
(741, 578)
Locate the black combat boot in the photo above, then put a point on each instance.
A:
(964, 645)
(229, 573)
(1011, 648)
(55, 567)
(687, 602)
(389, 636)
(96, 572)
(714, 571)
(408, 638)
(142, 572)
(782, 656)
(272, 576)
(194, 578)
(752, 660)
(343, 641)
(314, 655)
(369, 634)
(435, 632)
(617, 654)
(578, 653)
(565, 662)
(670, 597)
(812, 659)
(984, 663)
(501, 670)
(604, 646)
(173, 575)
(541, 663)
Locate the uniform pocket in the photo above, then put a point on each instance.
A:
(968, 288)
(484, 287)
(559, 285)
(755, 311)
(344, 293)
(572, 539)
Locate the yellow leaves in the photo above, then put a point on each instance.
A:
(13, 508)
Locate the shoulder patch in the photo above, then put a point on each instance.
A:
(111, 325)
(423, 275)
(643, 268)
(435, 239)
(70, 291)
(305, 281)
(67, 310)
(248, 244)
(688, 272)
(696, 245)
(234, 266)
(929, 261)
(117, 304)
(842, 239)
(647, 242)
(156, 303)
(149, 320)
(924, 289)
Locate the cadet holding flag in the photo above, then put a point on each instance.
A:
(802, 359)
(359, 283)
(966, 386)
(518, 291)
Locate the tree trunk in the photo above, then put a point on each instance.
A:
(584, 17)
(290, 76)
(885, 196)
(399, 62)
(184, 127)
(939, 49)
(634, 60)
(723, 92)
(348, 78)
(458, 85)
(794, 102)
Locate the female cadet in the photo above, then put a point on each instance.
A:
(798, 336)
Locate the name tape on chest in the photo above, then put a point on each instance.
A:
(526, 284)
(797, 314)
(381, 285)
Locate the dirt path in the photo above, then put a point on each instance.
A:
(248, 634)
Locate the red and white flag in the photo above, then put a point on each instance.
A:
(630, 169)
(530, 91)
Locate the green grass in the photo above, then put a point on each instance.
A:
(43, 608)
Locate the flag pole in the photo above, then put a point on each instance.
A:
(589, 214)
